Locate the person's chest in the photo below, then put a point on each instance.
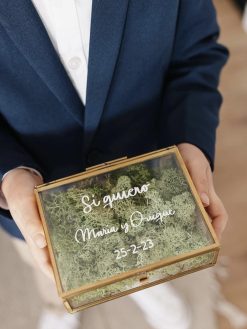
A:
(68, 26)
(130, 49)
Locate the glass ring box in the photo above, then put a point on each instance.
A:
(124, 225)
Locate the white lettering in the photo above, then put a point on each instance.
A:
(81, 235)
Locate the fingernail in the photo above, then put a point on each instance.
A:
(205, 199)
(39, 240)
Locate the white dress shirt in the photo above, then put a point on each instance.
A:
(68, 24)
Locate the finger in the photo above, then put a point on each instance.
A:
(218, 214)
(200, 180)
(217, 211)
(26, 216)
(42, 259)
(47, 270)
(44, 265)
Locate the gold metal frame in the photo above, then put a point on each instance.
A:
(141, 287)
(106, 167)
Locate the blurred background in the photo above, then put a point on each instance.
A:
(219, 294)
(231, 160)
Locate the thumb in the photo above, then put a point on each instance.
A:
(32, 225)
(200, 180)
(26, 216)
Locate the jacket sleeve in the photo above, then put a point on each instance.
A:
(12, 155)
(191, 102)
(12, 152)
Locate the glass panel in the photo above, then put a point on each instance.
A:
(125, 285)
(121, 220)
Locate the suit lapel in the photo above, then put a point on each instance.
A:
(24, 26)
(107, 25)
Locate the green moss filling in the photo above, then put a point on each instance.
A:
(127, 284)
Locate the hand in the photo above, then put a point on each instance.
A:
(201, 174)
(18, 189)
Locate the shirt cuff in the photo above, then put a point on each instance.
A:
(3, 202)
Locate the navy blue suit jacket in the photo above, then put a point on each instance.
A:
(152, 82)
